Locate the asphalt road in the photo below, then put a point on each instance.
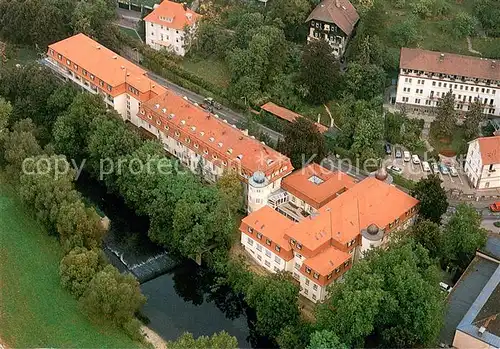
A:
(231, 116)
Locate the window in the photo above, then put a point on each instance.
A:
(268, 242)
(329, 276)
(316, 275)
(267, 263)
(434, 83)
(259, 235)
(315, 287)
(337, 270)
(346, 263)
(307, 282)
(259, 248)
(250, 230)
(314, 296)
(417, 100)
(68, 62)
(259, 257)
(268, 253)
(405, 99)
(249, 241)
(277, 248)
(59, 56)
(306, 291)
(277, 259)
(299, 246)
(276, 269)
(308, 270)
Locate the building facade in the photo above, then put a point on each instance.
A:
(320, 222)
(171, 26)
(200, 140)
(333, 21)
(482, 165)
(426, 76)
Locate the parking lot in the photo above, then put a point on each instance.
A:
(415, 172)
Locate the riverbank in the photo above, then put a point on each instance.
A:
(35, 310)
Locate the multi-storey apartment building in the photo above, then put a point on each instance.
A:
(482, 165)
(426, 76)
(333, 21)
(324, 223)
(169, 27)
(96, 69)
(201, 140)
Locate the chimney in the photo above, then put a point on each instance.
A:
(441, 57)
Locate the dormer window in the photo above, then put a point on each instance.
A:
(166, 127)
(277, 248)
(299, 246)
(316, 275)
(177, 134)
(308, 270)
(250, 230)
(268, 242)
(196, 145)
(259, 235)
(158, 122)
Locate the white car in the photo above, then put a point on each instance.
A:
(394, 169)
(445, 287)
(415, 159)
(453, 171)
(435, 168)
(426, 167)
(406, 156)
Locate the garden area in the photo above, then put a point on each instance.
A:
(35, 310)
(447, 146)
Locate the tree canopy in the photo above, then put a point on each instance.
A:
(446, 117)
(221, 340)
(433, 200)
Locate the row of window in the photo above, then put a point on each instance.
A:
(329, 276)
(451, 77)
(268, 241)
(250, 242)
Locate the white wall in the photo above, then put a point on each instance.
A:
(264, 256)
(173, 38)
(416, 90)
(480, 176)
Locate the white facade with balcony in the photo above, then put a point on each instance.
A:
(160, 37)
(479, 174)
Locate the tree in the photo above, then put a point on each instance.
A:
(79, 226)
(464, 24)
(113, 296)
(5, 110)
(231, 193)
(473, 118)
(405, 33)
(293, 14)
(94, 18)
(319, 71)
(274, 299)
(78, 268)
(430, 236)
(221, 340)
(364, 81)
(325, 339)
(302, 142)
(295, 336)
(392, 293)
(464, 235)
(446, 117)
(368, 133)
(432, 197)
(72, 128)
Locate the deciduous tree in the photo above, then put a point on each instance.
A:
(78, 268)
(429, 235)
(446, 117)
(433, 200)
(364, 81)
(221, 340)
(5, 110)
(325, 339)
(473, 118)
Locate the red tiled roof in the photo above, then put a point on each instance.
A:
(449, 63)
(490, 150)
(103, 63)
(288, 115)
(301, 184)
(271, 224)
(175, 12)
(215, 135)
(340, 12)
(327, 261)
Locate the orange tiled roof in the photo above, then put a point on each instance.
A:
(301, 184)
(490, 150)
(271, 224)
(340, 12)
(369, 202)
(172, 15)
(288, 115)
(327, 261)
(220, 138)
(449, 63)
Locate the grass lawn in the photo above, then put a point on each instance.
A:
(130, 32)
(211, 70)
(20, 55)
(34, 310)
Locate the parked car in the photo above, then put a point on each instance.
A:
(426, 167)
(415, 159)
(406, 156)
(495, 207)
(388, 149)
(445, 287)
(453, 171)
(209, 104)
(435, 168)
(398, 153)
(395, 169)
(443, 169)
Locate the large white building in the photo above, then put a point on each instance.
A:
(482, 165)
(426, 76)
(170, 26)
(320, 222)
(200, 140)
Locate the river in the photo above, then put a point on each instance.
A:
(181, 296)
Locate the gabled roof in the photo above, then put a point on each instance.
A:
(490, 150)
(288, 115)
(172, 15)
(317, 185)
(449, 63)
(327, 261)
(340, 12)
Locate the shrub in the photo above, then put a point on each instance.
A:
(78, 268)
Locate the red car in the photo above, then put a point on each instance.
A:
(495, 207)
